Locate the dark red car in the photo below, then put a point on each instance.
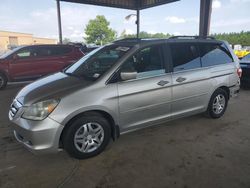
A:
(31, 62)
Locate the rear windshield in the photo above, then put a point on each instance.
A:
(96, 63)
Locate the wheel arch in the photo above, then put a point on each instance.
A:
(115, 131)
(225, 88)
(5, 74)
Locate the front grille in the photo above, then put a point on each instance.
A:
(15, 106)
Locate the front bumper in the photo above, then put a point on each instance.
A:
(37, 136)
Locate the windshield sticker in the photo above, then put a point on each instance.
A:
(121, 48)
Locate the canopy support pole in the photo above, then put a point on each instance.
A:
(138, 22)
(59, 21)
(205, 17)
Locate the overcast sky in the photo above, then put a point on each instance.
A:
(39, 17)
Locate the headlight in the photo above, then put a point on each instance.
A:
(40, 110)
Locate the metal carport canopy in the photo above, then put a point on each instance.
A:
(205, 10)
(125, 4)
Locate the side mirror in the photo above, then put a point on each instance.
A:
(128, 75)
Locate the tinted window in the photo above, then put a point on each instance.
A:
(25, 53)
(52, 51)
(147, 62)
(60, 50)
(214, 54)
(185, 56)
(42, 51)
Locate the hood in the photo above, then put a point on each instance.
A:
(54, 86)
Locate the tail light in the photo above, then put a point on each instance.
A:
(239, 72)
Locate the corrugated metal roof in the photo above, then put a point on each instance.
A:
(125, 4)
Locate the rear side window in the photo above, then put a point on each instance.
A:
(214, 54)
(60, 50)
(42, 51)
(52, 51)
(185, 56)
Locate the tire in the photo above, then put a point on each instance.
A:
(81, 142)
(3, 81)
(217, 104)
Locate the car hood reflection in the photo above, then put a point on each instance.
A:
(51, 87)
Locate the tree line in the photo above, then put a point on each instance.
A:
(99, 32)
(233, 38)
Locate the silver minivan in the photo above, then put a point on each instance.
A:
(121, 87)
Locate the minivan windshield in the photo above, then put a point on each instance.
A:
(96, 63)
(6, 54)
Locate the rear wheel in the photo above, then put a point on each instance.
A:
(87, 136)
(3, 81)
(218, 104)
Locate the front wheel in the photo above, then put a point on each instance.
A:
(87, 136)
(3, 81)
(217, 104)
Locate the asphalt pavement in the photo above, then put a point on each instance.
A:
(193, 152)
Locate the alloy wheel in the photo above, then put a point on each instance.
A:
(89, 137)
(219, 104)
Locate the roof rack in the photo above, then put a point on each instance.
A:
(138, 39)
(128, 40)
(191, 37)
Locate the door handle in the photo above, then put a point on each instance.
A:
(163, 82)
(180, 79)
